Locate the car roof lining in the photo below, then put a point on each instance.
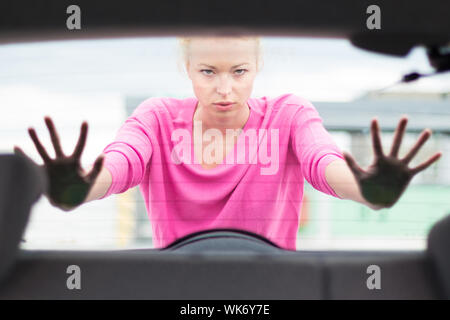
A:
(403, 27)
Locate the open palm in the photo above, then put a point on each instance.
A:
(384, 181)
(68, 183)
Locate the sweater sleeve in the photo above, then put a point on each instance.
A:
(313, 145)
(127, 156)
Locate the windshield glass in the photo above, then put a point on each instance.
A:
(103, 81)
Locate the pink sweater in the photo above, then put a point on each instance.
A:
(258, 188)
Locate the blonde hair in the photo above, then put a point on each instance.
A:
(183, 51)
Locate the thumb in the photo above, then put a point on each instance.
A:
(352, 165)
(98, 165)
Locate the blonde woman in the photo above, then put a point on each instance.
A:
(223, 159)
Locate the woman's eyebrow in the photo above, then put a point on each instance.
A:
(212, 67)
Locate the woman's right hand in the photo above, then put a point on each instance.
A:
(68, 183)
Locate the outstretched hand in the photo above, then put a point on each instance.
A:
(68, 183)
(384, 181)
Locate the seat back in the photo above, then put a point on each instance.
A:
(438, 250)
(21, 184)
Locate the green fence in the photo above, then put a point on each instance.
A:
(411, 217)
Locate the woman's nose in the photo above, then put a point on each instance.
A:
(224, 86)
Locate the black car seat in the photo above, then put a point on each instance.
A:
(224, 240)
(21, 184)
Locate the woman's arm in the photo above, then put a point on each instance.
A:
(101, 184)
(341, 179)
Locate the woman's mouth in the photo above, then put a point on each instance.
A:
(224, 105)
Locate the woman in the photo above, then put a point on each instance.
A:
(224, 160)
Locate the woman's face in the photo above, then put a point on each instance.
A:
(222, 69)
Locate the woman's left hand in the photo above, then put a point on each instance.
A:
(388, 176)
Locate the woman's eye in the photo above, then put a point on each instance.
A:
(207, 71)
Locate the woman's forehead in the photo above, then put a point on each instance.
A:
(233, 48)
(213, 43)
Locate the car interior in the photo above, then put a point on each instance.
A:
(220, 263)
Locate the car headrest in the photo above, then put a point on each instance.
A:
(439, 251)
(21, 184)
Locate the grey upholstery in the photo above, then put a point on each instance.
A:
(150, 274)
(21, 184)
(404, 275)
(439, 252)
(154, 274)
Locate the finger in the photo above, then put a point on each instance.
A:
(354, 167)
(399, 132)
(423, 137)
(376, 141)
(96, 169)
(426, 164)
(54, 137)
(81, 141)
(38, 145)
